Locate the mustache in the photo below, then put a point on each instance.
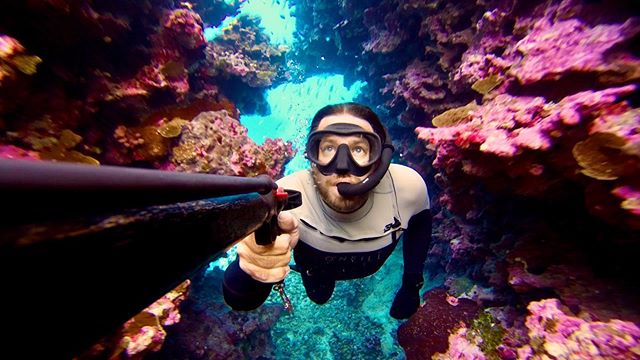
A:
(336, 179)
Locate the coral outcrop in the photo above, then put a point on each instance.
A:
(216, 143)
(529, 113)
(427, 331)
(130, 83)
(245, 52)
(144, 333)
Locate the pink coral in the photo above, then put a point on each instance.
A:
(214, 142)
(144, 333)
(244, 51)
(185, 27)
(502, 141)
(551, 50)
(417, 84)
(507, 125)
(461, 348)
(14, 152)
(630, 197)
(181, 32)
(554, 334)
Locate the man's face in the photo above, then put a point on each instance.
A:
(327, 184)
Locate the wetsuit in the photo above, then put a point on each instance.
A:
(336, 246)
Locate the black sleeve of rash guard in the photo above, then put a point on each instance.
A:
(415, 244)
(241, 291)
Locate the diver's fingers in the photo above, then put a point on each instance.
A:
(289, 224)
(265, 275)
(267, 261)
(279, 247)
(286, 221)
(282, 244)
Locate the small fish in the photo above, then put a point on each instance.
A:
(186, 4)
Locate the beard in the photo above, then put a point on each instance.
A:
(328, 190)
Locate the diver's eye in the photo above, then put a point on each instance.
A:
(327, 148)
(358, 150)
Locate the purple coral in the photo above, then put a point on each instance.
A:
(14, 152)
(418, 84)
(551, 50)
(557, 335)
(461, 348)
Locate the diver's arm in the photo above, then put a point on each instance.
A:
(416, 242)
(241, 291)
(414, 200)
(415, 245)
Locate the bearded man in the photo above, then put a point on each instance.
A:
(356, 206)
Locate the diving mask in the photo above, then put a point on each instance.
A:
(343, 149)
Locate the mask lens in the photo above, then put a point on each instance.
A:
(343, 142)
(358, 147)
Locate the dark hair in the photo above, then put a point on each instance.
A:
(355, 109)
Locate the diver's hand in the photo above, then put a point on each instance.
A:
(270, 263)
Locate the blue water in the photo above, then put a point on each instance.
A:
(275, 17)
(292, 107)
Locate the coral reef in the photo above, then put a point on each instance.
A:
(520, 142)
(527, 132)
(216, 143)
(120, 83)
(122, 112)
(180, 33)
(144, 333)
(529, 110)
(243, 51)
(209, 330)
(427, 331)
(554, 334)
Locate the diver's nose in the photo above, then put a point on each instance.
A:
(342, 160)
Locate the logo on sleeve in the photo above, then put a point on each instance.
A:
(396, 223)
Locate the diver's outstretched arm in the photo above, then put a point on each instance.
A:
(241, 291)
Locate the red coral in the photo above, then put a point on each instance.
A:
(427, 331)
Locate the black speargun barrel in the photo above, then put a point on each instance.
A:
(84, 248)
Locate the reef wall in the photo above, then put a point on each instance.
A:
(521, 115)
(135, 84)
(527, 116)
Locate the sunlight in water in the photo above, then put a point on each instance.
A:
(276, 18)
(292, 107)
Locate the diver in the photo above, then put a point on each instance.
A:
(356, 205)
